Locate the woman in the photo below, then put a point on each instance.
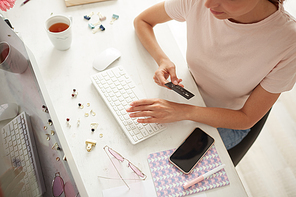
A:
(241, 53)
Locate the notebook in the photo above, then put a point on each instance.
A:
(80, 2)
(168, 180)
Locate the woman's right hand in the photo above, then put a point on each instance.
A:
(165, 70)
(144, 24)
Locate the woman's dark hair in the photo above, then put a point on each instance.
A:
(276, 2)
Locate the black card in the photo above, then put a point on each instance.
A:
(182, 91)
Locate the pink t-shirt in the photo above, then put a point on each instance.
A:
(228, 60)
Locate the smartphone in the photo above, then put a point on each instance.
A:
(187, 155)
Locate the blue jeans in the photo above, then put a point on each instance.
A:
(232, 137)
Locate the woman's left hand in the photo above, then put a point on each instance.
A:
(156, 111)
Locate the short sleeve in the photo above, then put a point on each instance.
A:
(178, 9)
(282, 77)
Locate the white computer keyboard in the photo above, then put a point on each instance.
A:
(19, 146)
(118, 91)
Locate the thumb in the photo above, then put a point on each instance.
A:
(174, 78)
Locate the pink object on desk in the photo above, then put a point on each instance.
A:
(202, 177)
(6, 4)
(197, 180)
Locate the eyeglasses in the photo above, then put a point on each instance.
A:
(58, 187)
(117, 156)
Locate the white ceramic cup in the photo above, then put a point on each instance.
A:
(11, 59)
(61, 40)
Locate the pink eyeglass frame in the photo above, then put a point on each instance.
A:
(120, 158)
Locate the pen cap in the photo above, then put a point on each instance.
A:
(192, 182)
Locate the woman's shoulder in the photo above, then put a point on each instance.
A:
(181, 9)
(282, 29)
(289, 22)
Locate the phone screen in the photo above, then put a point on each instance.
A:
(186, 156)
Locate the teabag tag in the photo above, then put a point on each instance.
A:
(182, 91)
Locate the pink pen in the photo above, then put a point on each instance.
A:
(202, 177)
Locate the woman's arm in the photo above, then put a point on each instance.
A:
(144, 24)
(162, 111)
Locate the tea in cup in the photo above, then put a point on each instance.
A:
(58, 28)
(11, 59)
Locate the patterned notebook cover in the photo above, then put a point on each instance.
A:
(168, 180)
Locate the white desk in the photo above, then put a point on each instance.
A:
(62, 71)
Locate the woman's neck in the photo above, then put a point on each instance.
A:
(259, 13)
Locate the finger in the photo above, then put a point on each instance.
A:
(148, 120)
(181, 85)
(162, 84)
(142, 102)
(14, 182)
(8, 176)
(18, 178)
(161, 79)
(17, 189)
(155, 80)
(136, 109)
(141, 114)
(158, 82)
(18, 170)
(140, 108)
(174, 78)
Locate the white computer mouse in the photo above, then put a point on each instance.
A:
(8, 111)
(105, 58)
